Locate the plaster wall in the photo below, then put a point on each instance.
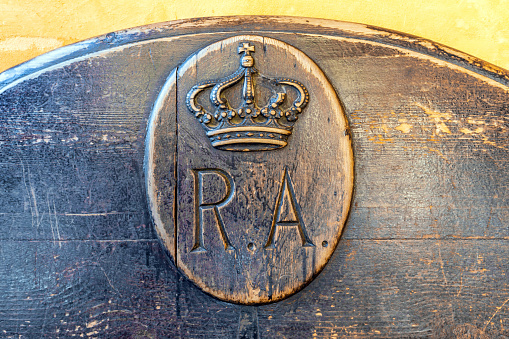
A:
(33, 27)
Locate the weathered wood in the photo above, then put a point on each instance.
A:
(371, 288)
(423, 252)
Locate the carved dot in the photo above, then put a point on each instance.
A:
(272, 112)
(325, 243)
(274, 105)
(248, 111)
(223, 114)
(261, 134)
(251, 246)
(238, 135)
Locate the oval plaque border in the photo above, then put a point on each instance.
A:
(161, 176)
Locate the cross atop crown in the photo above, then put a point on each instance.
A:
(246, 47)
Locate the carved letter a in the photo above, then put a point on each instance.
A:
(286, 189)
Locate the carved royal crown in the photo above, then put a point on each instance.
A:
(248, 127)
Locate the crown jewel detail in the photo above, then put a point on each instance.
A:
(248, 127)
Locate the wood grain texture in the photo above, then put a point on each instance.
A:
(414, 288)
(423, 252)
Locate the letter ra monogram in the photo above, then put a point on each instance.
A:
(251, 116)
(286, 194)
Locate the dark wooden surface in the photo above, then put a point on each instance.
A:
(423, 253)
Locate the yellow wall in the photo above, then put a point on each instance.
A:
(32, 27)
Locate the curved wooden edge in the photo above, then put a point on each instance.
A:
(237, 24)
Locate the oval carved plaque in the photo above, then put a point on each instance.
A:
(249, 169)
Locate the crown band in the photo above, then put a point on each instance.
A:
(248, 129)
(249, 141)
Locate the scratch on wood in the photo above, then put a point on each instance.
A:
(109, 281)
(31, 197)
(494, 314)
(442, 265)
